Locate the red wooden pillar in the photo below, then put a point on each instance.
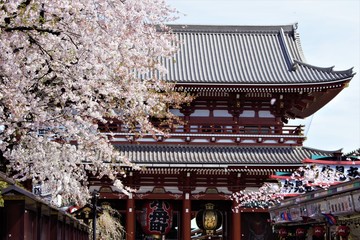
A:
(130, 218)
(186, 217)
(236, 222)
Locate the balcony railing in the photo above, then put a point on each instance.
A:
(202, 133)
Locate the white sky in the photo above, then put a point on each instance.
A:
(330, 36)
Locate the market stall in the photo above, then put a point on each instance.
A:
(331, 214)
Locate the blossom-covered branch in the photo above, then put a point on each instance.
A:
(307, 178)
(267, 195)
(65, 66)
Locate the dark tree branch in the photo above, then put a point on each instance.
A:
(30, 28)
(34, 41)
(24, 4)
(71, 40)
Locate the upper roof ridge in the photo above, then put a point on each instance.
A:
(232, 28)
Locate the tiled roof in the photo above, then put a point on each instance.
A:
(246, 55)
(6, 179)
(353, 153)
(190, 155)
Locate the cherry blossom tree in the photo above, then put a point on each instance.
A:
(65, 67)
(267, 195)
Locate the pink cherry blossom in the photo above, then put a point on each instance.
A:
(66, 65)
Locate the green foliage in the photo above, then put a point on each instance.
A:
(2, 186)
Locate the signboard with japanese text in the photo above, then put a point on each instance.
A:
(356, 201)
(316, 209)
(315, 175)
(303, 210)
(336, 171)
(295, 213)
(340, 205)
(156, 217)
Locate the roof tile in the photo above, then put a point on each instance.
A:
(188, 154)
(243, 55)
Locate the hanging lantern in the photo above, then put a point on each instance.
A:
(156, 218)
(319, 231)
(283, 232)
(343, 231)
(300, 232)
(209, 219)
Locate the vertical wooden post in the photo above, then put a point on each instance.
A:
(95, 197)
(38, 220)
(236, 222)
(54, 225)
(14, 218)
(186, 217)
(130, 218)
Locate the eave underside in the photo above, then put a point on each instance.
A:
(299, 101)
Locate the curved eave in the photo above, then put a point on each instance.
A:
(280, 87)
(267, 85)
(325, 152)
(332, 162)
(321, 99)
(313, 76)
(348, 72)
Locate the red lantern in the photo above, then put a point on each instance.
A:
(283, 232)
(156, 217)
(300, 232)
(343, 231)
(319, 231)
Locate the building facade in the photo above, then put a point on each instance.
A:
(248, 81)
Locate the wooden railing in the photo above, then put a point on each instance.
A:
(229, 134)
(25, 216)
(206, 128)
